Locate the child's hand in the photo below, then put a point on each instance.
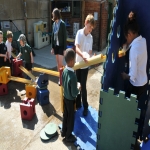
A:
(5, 58)
(79, 86)
(32, 61)
(125, 76)
(85, 59)
(52, 51)
(124, 47)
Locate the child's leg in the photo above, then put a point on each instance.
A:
(84, 74)
(70, 117)
(64, 124)
(78, 99)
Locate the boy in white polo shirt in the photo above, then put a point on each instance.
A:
(9, 47)
(83, 43)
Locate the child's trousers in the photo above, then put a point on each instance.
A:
(82, 78)
(68, 117)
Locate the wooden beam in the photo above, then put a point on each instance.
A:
(50, 72)
(83, 13)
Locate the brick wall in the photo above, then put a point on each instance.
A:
(103, 30)
(100, 31)
(90, 8)
(71, 20)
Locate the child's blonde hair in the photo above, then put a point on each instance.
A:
(9, 34)
(90, 19)
(1, 32)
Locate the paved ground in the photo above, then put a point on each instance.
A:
(18, 134)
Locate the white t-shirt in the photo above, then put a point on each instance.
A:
(138, 62)
(9, 48)
(85, 43)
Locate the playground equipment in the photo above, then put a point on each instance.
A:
(3, 89)
(42, 91)
(48, 132)
(113, 67)
(91, 61)
(41, 37)
(16, 63)
(27, 109)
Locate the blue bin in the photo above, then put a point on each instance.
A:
(43, 96)
(42, 80)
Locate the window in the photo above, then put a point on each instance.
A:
(76, 9)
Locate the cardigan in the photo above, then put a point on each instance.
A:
(62, 36)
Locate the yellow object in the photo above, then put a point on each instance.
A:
(7, 69)
(50, 72)
(28, 73)
(22, 80)
(61, 99)
(70, 40)
(42, 27)
(91, 61)
(4, 77)
(121, 53)
(36, 29)
(4, 74)
(30, 91)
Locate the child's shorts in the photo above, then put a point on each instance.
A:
(58, 50)
(28, 66)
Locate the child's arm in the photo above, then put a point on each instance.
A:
(78, 51)
(31, 57)
(3, 55)
(19, 55)
(90, 51)
(8, 56)
(74, 89)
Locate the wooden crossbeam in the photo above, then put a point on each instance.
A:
(91, 61)
(50, 72)
(22, 80)
(28, 73)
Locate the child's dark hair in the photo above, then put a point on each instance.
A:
(131, 24)
(69, 55)
(56, 14)
(9, 34)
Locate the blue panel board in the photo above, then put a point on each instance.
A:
(114, 66)
(145, 145)
(85, 129)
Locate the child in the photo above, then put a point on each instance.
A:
(9, 47)
(83, 43)
(26, 52)
(69, 82)
(59, 38)
(137, 77)
(3, 51)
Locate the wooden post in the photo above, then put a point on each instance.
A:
(50, 16)
(25, 17)
(83, 13)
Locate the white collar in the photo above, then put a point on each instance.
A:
(69, 68)
(135, 40)
(84, 33)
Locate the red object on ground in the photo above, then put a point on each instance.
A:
(27, 109)
(3, 89)
(16, 71)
